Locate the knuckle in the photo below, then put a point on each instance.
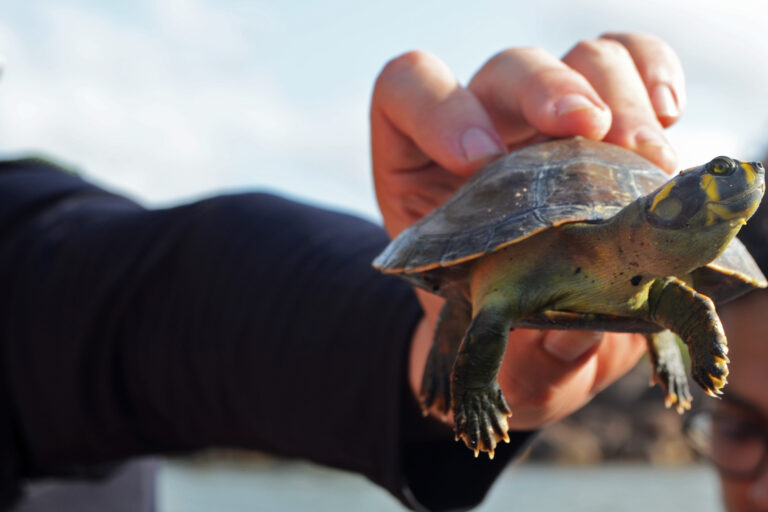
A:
(405, 64)
(526, 52)
(654, 57)
(517, 63)
(515, 55)
(600, 49)
(644, 39)
(401, 73)
(550, 75)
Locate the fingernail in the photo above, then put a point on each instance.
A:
(477, 144)
(664, 101)
(571, 103)
(568, 346)
(651, 144)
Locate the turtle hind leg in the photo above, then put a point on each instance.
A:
(436, 382)
(669, 370)
(480, 411)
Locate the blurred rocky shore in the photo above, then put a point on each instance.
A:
(627, 422)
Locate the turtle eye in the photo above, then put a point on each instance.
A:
(721, 166)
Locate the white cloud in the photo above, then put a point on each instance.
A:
(184, 98)
(177, 106)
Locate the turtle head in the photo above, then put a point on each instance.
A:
(692, 218)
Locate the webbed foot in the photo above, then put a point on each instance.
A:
(669, 371)
(481, 419)
(480, 410)
(676, 391)
(678, 307)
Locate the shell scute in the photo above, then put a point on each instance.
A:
(520, 194)
(534, 189)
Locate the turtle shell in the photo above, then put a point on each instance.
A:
(537, 188)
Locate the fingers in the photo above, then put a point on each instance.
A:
(568, 346)
(617, 355)
(622, 87)
(420, 113)
(527, 91)
(547, 375)
(613, 71)
(427, 135)
(661, 71)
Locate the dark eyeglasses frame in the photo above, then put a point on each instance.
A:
(760, 467)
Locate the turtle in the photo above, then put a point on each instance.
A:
(578, 234)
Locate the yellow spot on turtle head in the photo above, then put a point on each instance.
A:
(709, 185)
(663, 194)
(749, 171)
(669, 208)
(715, 211)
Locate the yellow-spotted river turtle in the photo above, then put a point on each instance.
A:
(577, 234)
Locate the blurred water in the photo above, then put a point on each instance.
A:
(294, 487)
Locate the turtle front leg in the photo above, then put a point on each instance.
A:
(668, 369)
(676, 306)
(479, 409)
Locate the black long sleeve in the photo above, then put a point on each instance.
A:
(244, 320)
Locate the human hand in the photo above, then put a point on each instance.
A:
(429, 134)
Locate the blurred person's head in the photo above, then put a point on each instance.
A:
(739, 425)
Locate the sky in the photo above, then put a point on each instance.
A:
(168, 101)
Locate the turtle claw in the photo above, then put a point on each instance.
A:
(481, 420)
(709, 360)
(681, 404)
(712, 375)
(669, 371)
(677, 392)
